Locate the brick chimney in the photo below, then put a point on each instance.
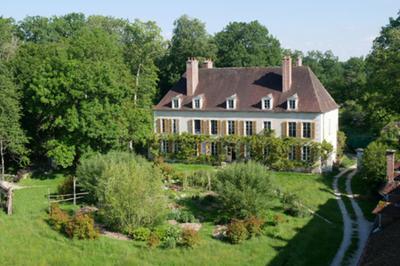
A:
(208, 63)
(390, 165)
(192, 76)
(299, 61)
(286, 73)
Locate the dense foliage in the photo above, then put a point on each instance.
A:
(244, 189)
(126, 187)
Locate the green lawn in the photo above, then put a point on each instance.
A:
(26, 239)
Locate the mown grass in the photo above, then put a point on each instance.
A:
(26, 238)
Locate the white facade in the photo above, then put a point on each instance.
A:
(326, 124)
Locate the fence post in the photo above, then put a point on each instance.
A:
(74, 182)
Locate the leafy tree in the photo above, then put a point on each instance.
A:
(75, 93)
(374, 163)
(190, 39)
(243, 44)
(12, 137)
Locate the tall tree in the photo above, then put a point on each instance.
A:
(243, 44)
(190, 39)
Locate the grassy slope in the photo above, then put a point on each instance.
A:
(27, 239)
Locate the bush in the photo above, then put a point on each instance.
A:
(167, 231)
(190, 238)
(58, 219)
(81, 226)
(244, 189)
(140, 234)
(127, 189)
(254, 226)
(153, 241)
(291, 205)
(182, 216)
(237, 232)
(169, 243)
(67, 186)
(374, 164)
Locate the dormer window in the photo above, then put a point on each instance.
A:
(292, 102)
(266, 103)
(231, 102)
(176, 102)
(197, 102)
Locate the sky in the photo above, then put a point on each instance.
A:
(347, 27)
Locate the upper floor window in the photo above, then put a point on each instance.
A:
(292, 129)
(249, 128)
(176, 103)
(197, 102)
(175, 126)
(306, 130)
(214, 127)
(231, 127)
(292, 102)
(266, 103)
(231, 102)
(197, 126)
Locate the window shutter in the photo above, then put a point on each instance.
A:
(170, 146)
(205, 127)
(284, 129)
(198, 149)
(312, 130)
(241, 150)
(237, 132)
(254, 127)
(298, 130)
(208, 150)
(158, 125)
(241, 128)
(298, 153)
(190, 126)
(223, 128)
(177, 126)
(218, 127)
(169, 125)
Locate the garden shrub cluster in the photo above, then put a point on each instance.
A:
(244, 189)
(80, 226)
(182, 216)
(241, 230)
(291, 204)
(265, 148)
(127, 189)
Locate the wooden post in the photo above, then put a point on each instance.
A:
(74, 182)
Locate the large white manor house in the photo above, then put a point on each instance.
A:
(290, 100)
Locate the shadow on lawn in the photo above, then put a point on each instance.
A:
(315, 243)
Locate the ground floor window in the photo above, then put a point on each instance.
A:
(164, 146)
(306, 153)
(176, 147)
(266, 151)
(214, 149)
(247, 151)
(292, 153)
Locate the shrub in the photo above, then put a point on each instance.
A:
(81, 226)
(254, 226)
(169, 243)
(291, 205)
(66, 187)
(237, 232)
(140, 234)
(57, 218)
(244, 189)
(127, 189)
(190, 238)
(374, 164)
(182, 216)
(167, 231)
(153, 241)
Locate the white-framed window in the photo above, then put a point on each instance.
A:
(164, 146)
(213, 127)
(292, 153)
(292, 129)
(292, 102)
(249, 128)
(231, 102)
(267, 125)
(231, 127)
(266, 103)
(247, 151)
(306, 153)
(214, 149)
(197, 126)
(176, 103)
(175, 128)
(197, 102)
(306, 132)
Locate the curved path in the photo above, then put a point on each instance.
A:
(363, 226)
(347, 229)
